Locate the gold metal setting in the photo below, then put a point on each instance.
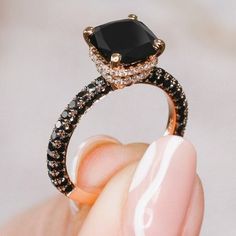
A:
(88, 31)
(159, 45)
(115, 59)
(133, 17)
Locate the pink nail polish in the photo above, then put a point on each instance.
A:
(161, 189)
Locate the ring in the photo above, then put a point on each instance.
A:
(125, 52)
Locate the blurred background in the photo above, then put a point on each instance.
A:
(44, 62)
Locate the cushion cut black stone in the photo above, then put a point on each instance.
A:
(131, 38)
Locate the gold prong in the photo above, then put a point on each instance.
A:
(133, 17)
(115, 59)
(159, 45)
(88, 31)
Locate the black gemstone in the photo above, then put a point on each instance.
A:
(182, 110)
(131, 38)
(180, 129)
(69, 188)
(178, 94)
(160, 79)
(172, 88)
(55, 174)
(180, 101)
(55, 166)
(100, 81)
(89, 103)
(91, 86)
(167, 83)
(55, 158)
(82, 93)
(152, 78)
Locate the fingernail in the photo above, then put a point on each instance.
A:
(87, 146)
(84, 148)
(161, 189)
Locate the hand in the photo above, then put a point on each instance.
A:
(145, 190)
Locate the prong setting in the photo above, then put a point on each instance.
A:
(115, 59)
(132, 17)
(127, 61)
(159, 45)
(88, 31)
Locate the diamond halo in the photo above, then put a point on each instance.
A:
(122, 75)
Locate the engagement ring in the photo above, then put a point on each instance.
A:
(125, 53)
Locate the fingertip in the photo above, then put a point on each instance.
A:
(161, 188)
(186, 145)
(99, 158)
(195, 213)
(86, 147)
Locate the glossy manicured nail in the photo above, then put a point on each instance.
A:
(161, 189)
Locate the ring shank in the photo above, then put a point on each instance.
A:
(66, 124)
(171, 123)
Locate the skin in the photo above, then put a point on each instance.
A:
(55, 217)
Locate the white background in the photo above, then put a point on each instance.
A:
(44, 62)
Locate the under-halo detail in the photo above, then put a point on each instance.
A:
(125, 52)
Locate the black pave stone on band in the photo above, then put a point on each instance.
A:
(66, 124)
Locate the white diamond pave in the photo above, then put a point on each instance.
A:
(122, 75)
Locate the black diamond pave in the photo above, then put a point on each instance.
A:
(63, 130)
(172, 87)
(67, 122)
(131, 38)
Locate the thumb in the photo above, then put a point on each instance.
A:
(160, 195)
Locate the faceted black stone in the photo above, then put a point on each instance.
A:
(58, 157)
(167, 83)
(131, 38)
(178, 94)
(181, 118)
(160, 79)
(180, 129)
(81, 94)
(152, 78)
(89, 103)
(172, 88)
(58, 166)
(59, 174)
(180, 101)
(67, 127)
(69, 188)
(182, 110)
(91, 86)
(62, 181)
